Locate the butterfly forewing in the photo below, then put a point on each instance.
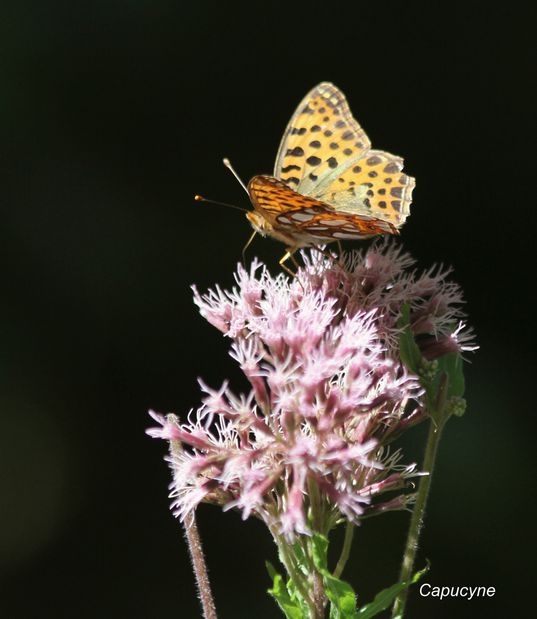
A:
(320, 138)
(272, 197)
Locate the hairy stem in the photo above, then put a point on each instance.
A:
(194, 546)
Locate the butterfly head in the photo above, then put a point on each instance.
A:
(259, 223)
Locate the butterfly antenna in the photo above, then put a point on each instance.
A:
(228, 165)
(199, 198)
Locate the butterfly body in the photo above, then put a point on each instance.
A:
(328, 184)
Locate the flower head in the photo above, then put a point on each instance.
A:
(306, 446)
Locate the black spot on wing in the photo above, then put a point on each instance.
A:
(295, 152)
(332, 162)
(391, 168)
(291, 179)
(374, 160)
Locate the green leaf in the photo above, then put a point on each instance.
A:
(385, 598)
(320, 551)
(450, 370)
(299, 553)
(446, 370)
(408, 349)
(271, 570)
(290, 608)
(341, 596)
(451, 364)
(339, 592)
(413, 359)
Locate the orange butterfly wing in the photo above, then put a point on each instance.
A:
(307, 220)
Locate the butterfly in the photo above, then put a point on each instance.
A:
(328, 185)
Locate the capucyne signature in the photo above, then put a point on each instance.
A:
(460, 591)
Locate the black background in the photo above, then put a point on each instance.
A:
(113, 114)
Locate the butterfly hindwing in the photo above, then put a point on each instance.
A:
(373, 185)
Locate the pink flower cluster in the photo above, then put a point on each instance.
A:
(328, 391)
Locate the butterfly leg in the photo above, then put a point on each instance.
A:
(340, 253)
(289, 254)
(324, 253)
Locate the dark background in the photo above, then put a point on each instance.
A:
(113, 114)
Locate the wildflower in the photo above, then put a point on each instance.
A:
(308, 446)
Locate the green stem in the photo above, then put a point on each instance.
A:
(346, 550)
(416, 521)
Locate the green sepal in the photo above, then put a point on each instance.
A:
(385, 598)
(456, 406)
